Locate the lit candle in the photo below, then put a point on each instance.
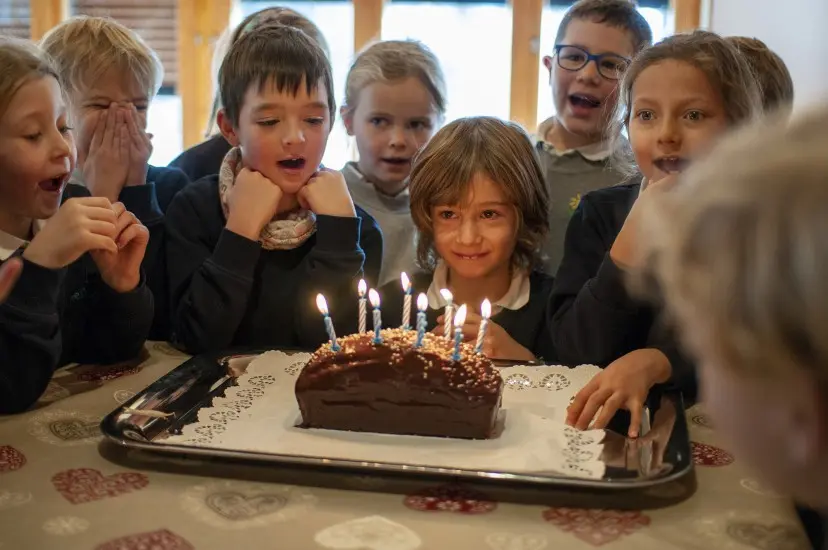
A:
(406, 318)
(422, 305)
(449, 313)
(485, 313)
(323, 309)
(362, 288)
(373, 297)
(459, 319)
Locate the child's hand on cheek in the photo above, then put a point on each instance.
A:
(121, 270)
(80, 225)
(140, 148)
(107, 163)
(252, 204)
(623, 384)
(624, 251)
(327, 194)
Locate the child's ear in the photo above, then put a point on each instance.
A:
(227, 129)
(547, 62)
(347, 115)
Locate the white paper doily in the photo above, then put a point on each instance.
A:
(260, 414)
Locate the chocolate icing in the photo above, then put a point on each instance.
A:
(398, 389)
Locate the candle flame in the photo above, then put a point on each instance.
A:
(446, 294)
(322, 304)
(362, 288)
(486, 309)
(460, 316)
(373, 297)
(406, 284)
(422, 302)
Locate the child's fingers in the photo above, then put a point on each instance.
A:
(109, 127)
(595, 401)
(98, 213)
(609, 409)
(9, 273)
(118, 208)
(122, 136)
(98, 132)
(124, 220)
(573, 411)
(102, 243)
(103, 228)
(135, 233)
(636, 408)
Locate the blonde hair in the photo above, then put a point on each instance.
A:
(20, 62)
(275, 15)
(725, 68)
(467, 147)
(738, 248)
(84, 48)
(771, 72)
(393, 60)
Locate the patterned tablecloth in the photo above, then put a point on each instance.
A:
(62, 487)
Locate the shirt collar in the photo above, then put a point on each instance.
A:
(350, 170)
(515, 298)
(594, 152)
(9, 244)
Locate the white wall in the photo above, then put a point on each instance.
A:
(795, 29)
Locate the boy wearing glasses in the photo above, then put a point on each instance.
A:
(596, 41)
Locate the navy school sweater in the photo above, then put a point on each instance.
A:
(527, 325)
(592, 317)
(203, 159)
(57, 316)
(149, 202)
(226, 290)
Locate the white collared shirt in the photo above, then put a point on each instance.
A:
(9, 244)
(594, 152)
(515, 298)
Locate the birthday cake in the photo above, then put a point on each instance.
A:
(393, 387)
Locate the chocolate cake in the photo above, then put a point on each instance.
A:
(395, 388)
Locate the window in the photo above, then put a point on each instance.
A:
(472, 40)
(659, 18)
(156, 22)
(14, 18)
(335, 18)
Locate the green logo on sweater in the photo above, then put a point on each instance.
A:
(574, 202)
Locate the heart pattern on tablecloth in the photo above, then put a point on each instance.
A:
(162, 539)
(122, 396)
(82, 485)
(766, 537)
(450, 498)
(74, 430)
(368, 533)
(596, 527)
(11, 459)
(510, 541)
(12, 500)
(708, 455)
(65, 526)
(236, 506)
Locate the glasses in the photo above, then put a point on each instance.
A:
(573, 58)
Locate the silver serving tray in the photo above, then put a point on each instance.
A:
(173, 401)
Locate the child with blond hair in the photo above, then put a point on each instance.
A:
(81, 295)
(395, 99)
(738, 251)
(676, 100)
(111, 77)
(774, 79)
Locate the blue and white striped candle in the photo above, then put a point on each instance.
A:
(322, 304)
(422, 306)
(373, 297)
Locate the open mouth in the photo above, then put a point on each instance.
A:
(671, 165)
(54, 185)
(397, 161)
(585, 100)
(292, 163)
